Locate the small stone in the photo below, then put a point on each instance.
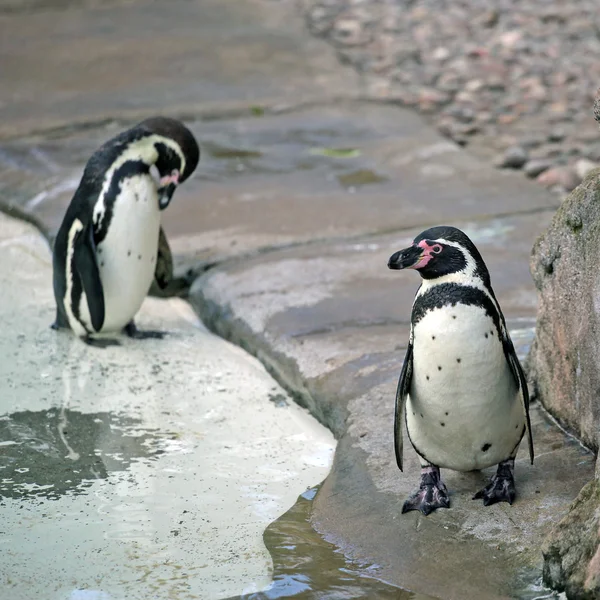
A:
(583, 167)
(429, 98)
(474, 85)
(440, 54)
(463, 114)
(506, 119)
(514, 158)
(592, 152)
(562, 177)
(488, 19)
(532, 141)
(556, 135)
(533, 168)
(349, 31)
(510, 38)
(495, 83)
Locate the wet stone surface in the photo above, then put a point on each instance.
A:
(271, 181)
(330, 320)
(302, 193)
(49, 453)
(146, 470)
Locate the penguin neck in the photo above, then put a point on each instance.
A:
(463, 278)
(145, 149)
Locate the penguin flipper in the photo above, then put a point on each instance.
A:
(401, 394)
(84, 256)
(163, 273)
(521, 382)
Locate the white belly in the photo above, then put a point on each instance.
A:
(127, 255)
(464, 410)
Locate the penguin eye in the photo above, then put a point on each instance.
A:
(436, 249)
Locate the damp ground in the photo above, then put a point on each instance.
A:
(148, 470)
(303, 191)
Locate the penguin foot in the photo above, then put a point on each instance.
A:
(100, 342)
(502, 486)
(133, 332)
(432, 493)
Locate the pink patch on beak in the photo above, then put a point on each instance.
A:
(426, 256)
(167, 179)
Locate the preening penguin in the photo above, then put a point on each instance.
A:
(110, 245)
(462, 389)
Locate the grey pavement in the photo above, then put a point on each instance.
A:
(148, 470)
(302, 193)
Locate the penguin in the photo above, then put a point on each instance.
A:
(110, 246)
(461, 389)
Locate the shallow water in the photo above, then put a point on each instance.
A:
(307, 566)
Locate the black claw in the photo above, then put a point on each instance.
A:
(501, 488)
(133, 332)
(432, 493)
(100, 342)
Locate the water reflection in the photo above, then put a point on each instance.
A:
(306, 566)
(48, 453)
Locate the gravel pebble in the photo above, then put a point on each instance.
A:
(514, 158)
(523, 70)
(583, 167)
(561, 178)
(534, 167)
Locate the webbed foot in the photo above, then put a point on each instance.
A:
(100, 342)
(432, 493)
(133, 332)
(502, 486)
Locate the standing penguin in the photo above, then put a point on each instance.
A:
(110, 245)
(462, 388)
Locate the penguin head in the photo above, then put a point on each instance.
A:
(177, 153)
(440, 251)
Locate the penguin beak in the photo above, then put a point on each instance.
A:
(409, 258)
(166, 188)
(165, 194)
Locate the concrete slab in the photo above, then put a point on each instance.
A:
(265, 182)
(332, 322)
(142, 471)
(66, 65)
(285, 163)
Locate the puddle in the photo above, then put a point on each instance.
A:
(49, 453)
(360, 177)
(223, 152)
(306, 566)
(336, 152)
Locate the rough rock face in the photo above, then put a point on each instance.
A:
(572, 551)
(564, 365)
(565, 358)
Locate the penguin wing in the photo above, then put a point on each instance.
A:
(517, 371)
(163, 273)
(401, 393)
(84, 256)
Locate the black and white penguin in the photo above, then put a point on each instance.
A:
(461, 387)
(111, 246)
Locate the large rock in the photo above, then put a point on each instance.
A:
(564, 358)
(565, 370)
(572, 552)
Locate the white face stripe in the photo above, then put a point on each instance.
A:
(465, 277)
(76, 326)
(144, 150)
